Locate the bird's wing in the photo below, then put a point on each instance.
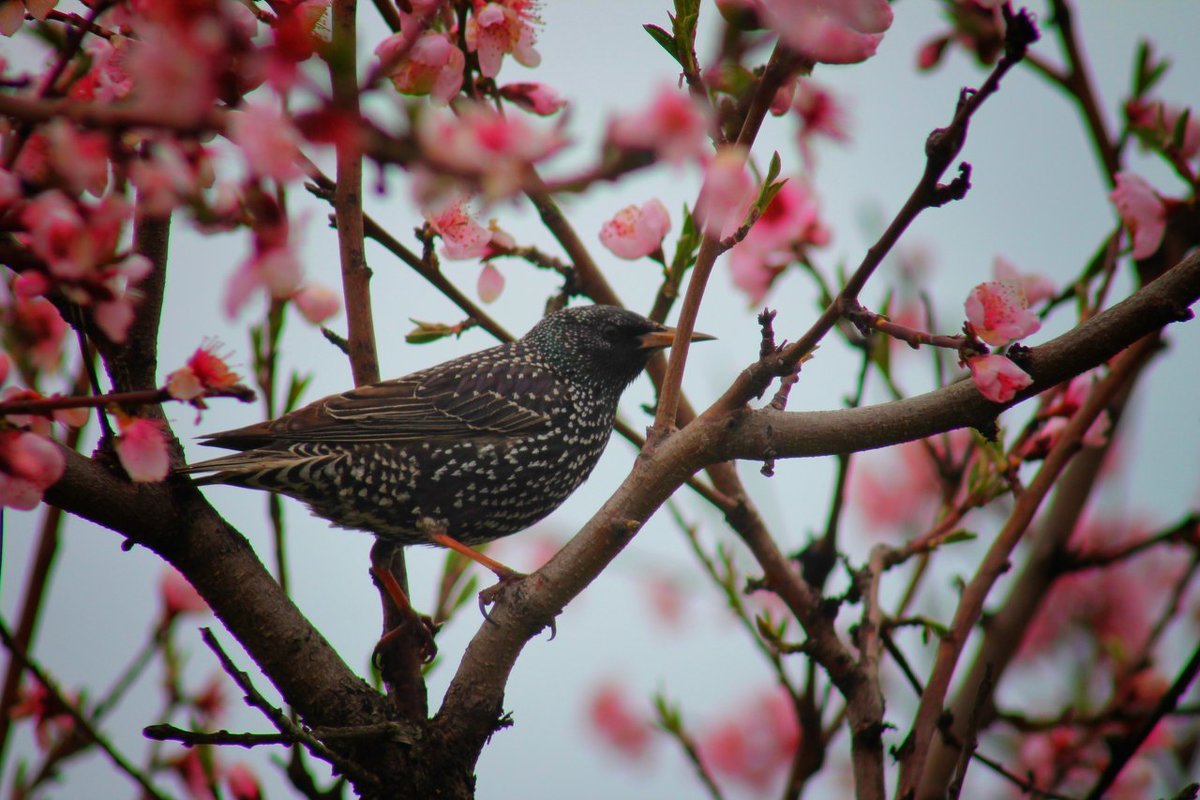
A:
(458, 399)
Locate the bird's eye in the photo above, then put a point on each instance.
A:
(610, 333)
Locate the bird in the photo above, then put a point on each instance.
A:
(463, 452)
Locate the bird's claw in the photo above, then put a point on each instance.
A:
(492, 594)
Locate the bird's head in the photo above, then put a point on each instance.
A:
(601, 343)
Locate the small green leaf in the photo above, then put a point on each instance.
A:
(774, 167)
(1180, 130)
(296, 388)
(961, 535)
(664, 39)
(427, 332)
(1147, 72)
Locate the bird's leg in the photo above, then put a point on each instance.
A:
(410, 620)
(495, 567)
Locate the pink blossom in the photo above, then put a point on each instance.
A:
(481, 143)
(106, 80)
(666, 597)
(269, 142)
(317, 302)
(536, 98)
(899, 489)
(672, 126)
(142, 449)
(12, 13)
(1161, 120)
(462, 236)
(166, 177)
(830, 31)
(198, 775)
(276, 270)
(39, 330)
(997, 377)
(206, 370)
(242, 782)
(1035, 287)
(52, 722)
(999, 313)
(433, 65)
(726, 195)
(821, 114)
(637, 231)
(10, 190)
(618, 724)
(79, 158)
(175, 72)
(756, 743)
(5, 366)
(178, 596)
(491, 283)
(499, 28)
(788, 225)
(29, 464)
(1142, 212)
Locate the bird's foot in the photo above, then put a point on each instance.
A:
(413, 628)
(509, 579)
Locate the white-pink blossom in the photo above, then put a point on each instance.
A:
(636, 231)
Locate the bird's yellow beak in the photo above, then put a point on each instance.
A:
(656, 340)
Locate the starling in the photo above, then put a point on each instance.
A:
(461, 453)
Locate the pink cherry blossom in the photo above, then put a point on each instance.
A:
(491, 283)
(167, 177)
(999, 313)
(52, 722)
(820, 113)
(500, 28)
(898, 490)
(788, 225)
(39, 329)
(1036, 287)
(79, 158)
(536, 98)
(481, 143)
(997, 377)
(755, 743)
(637, 231)
(462, 236)
(178, 596)
(142, 449)
(830, 31)
(1142, 212)
(106, 80)
(242, 782)
(275, 269)
(10, 190)
(1161, 120)
(269, 142)
(12, 13)
(174, 72)
(433, 65)
(206, 370)
(317, 302)
(726, 195)
(672, 126)
(617, 723)
(29, 464)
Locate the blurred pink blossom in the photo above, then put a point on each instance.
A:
(317, 302)
(726, 196)
(269, 142)
(1036, 287)
(242, 782)
(830, 31)
(997, 377)
(755, 743)
(788, 225)
(178, 596)
(998, 312)
(618, 724)
(637, 231)
(536, 98)
(204, 371)
(672, 126)
(1142, 212)
(1161, 120)
(29, 464)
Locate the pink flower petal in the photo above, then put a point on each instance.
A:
(999, 313)
(491, 283)
(1142, 212)
(726, 196)
(142, 450)
(997, 377)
